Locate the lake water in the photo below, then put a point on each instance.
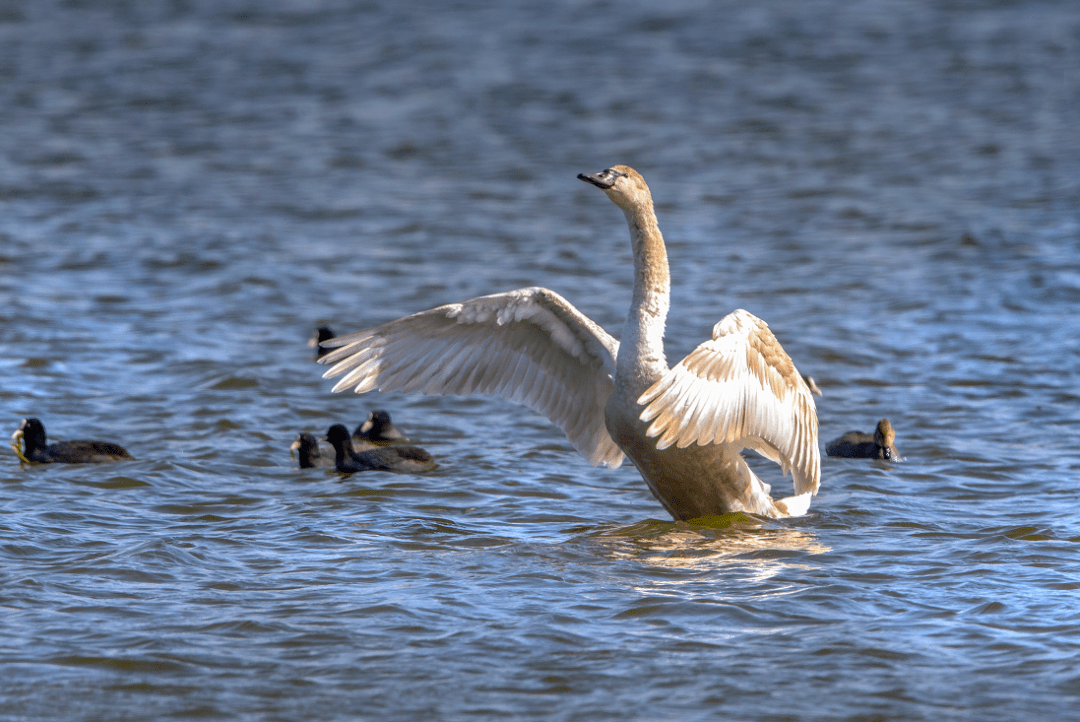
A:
(188, 188)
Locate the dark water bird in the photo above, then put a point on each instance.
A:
(322, 333)
(857, 445)
(385, 458)
(684, 428)
(378, 428)
(31, 433)
(309, 454)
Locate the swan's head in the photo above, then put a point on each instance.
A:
(884, 437)
(623, 185)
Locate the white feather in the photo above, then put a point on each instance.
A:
(528, 345)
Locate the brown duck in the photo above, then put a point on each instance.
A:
(857, 445)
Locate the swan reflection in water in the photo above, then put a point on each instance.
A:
(713, 542)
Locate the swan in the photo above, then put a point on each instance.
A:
(856, 445)
(684, 428)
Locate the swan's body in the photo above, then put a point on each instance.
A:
(683, 427)
(856, 445)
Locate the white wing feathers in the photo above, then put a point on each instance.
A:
(740, 387)
(529, 345)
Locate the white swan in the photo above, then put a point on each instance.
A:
(683, 427)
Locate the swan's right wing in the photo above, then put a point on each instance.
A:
(740, 387)
(529, 345)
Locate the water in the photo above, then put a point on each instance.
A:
(188, 188)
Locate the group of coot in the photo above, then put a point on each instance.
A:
(373, 446)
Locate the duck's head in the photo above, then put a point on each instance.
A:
(378, 426)
(338, 436)
(32, 430)
(884, 437)
(322, 333)
(623, 185)
(304, 442)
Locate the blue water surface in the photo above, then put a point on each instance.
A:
(188, 188)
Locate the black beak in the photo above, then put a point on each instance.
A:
(594, 180)
(603, 180)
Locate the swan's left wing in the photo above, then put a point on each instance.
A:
(529, 345)
(740, 387)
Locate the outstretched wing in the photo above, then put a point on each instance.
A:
(529, 345)
(740, 387)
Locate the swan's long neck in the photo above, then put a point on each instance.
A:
(641, 358)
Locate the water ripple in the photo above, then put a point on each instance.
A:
(187, 190)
